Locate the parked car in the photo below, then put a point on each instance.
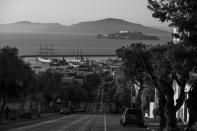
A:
(65, 111)
(132, 116)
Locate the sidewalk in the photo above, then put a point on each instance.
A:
(153, 125)
(6, 122)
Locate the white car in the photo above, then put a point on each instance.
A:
(65, 111)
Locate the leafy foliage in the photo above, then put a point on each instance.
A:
(14, 73)
(161, 65)
(91, 82)
(76, 94)
(122, 98)
(134, 58)
(181, 13)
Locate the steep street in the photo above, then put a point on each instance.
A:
(78, 122)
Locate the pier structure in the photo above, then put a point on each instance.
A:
(47, 51)
(104, 55)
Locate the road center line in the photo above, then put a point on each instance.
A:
(95, 124)
(105, 123)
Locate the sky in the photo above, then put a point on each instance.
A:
(68, 12)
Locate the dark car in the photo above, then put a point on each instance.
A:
(132, 116)
(65, 111)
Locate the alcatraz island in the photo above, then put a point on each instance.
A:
(128, 35)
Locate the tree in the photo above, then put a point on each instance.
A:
(77, 94)
(91, 82)
(14, 75)
(181, 14)
(162, 64)
(192, 105)
(122, 98)
(134, 58)
(49, 83)
(30, 87)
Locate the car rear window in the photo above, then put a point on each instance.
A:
(134, 112)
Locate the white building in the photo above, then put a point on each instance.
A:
(175, 31)
(182, 113)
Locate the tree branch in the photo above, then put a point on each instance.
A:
(151, 75)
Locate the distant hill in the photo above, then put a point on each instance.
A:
(26, 26)
(109, 25)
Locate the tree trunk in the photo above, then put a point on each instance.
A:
(167, 110)
(161, 112)
(192, 117)
(2, 108)
(170, 112)
(192, 107)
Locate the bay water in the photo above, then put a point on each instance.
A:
(66, 44)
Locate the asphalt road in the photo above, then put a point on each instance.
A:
(79, 122)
